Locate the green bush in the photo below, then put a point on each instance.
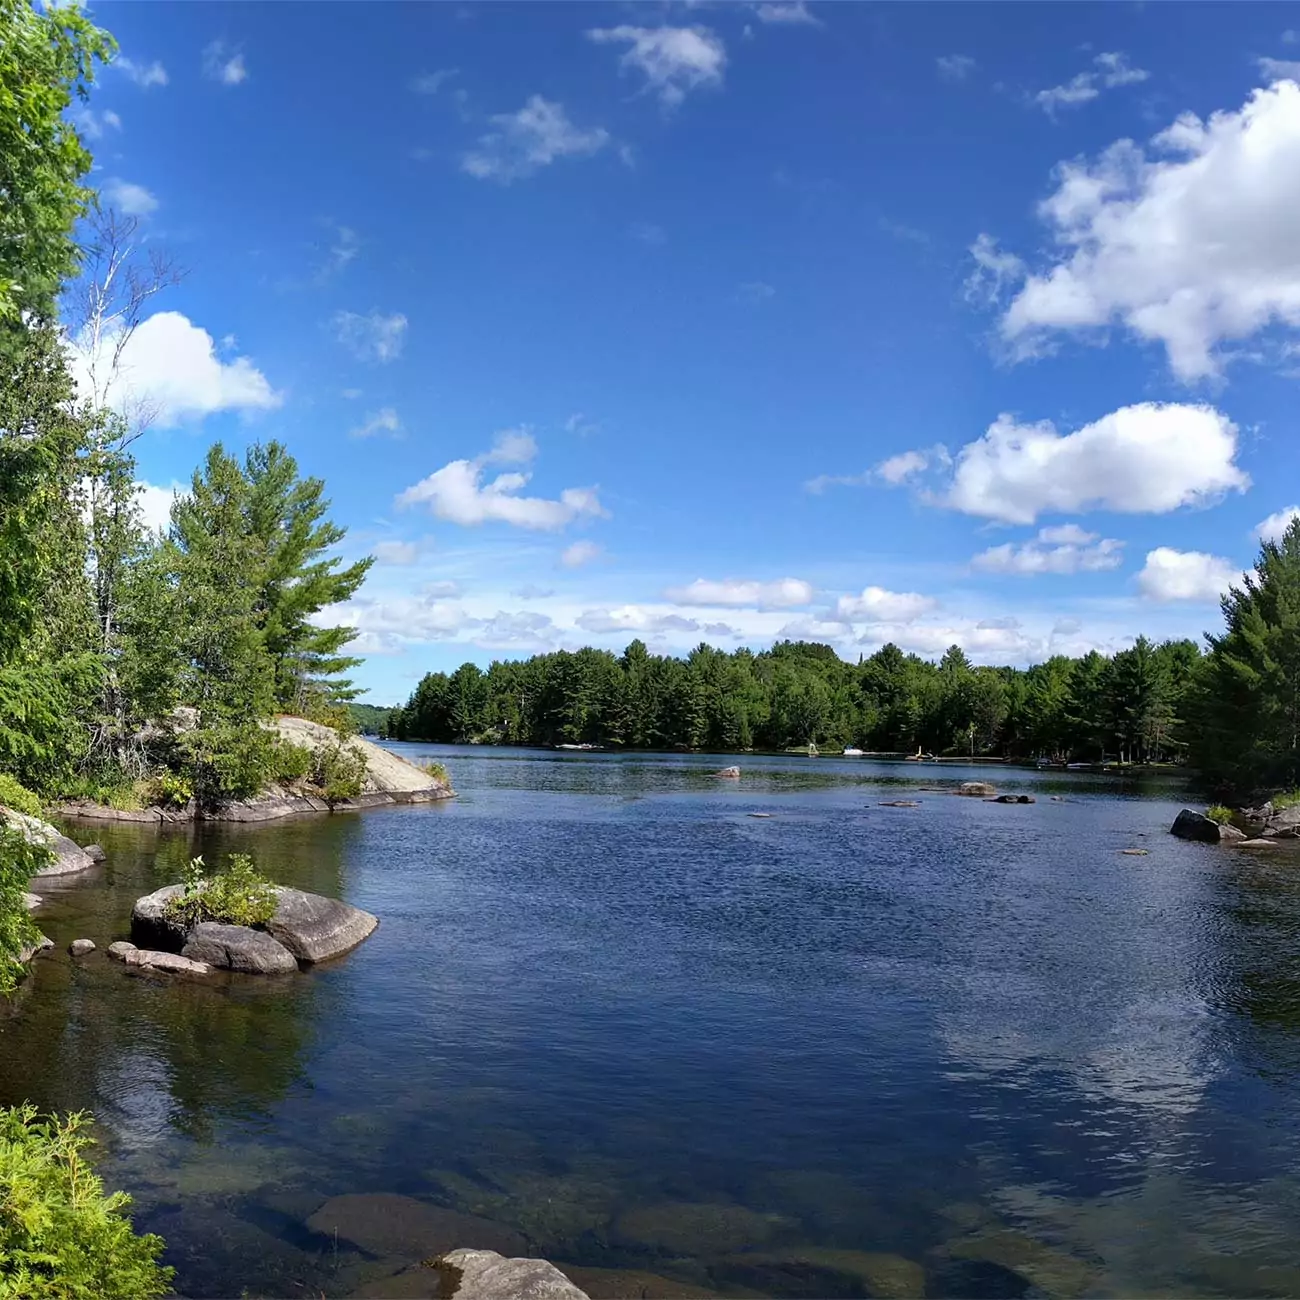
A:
(18, 797)
(239, 895)
(292, 762)
(1287, 799)
(61, 1237)
(435, 770)
(1218, 813)
(338, 772)
(20, 860)
(228, 761)
(173, 790)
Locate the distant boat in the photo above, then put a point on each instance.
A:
(850, 752)
(1079, 767)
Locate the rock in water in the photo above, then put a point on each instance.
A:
(1189, 825)
(80, 947)
(32, 901)
(314, 928)
(384, 1223)
(485, 1275)
(239, 947)
(68, 857)
(151, 927)
(901, 803)
(729, 773)
(42, 943)
(977, 789)
(1284, 825)
(94, 852)
(121, 950)
(172, 962)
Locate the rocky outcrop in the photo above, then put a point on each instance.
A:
(80, 947)
(977, 789)
(1284, 825)
(239, 947)
(42, 943)
(1189, 825)
(68, 855)
(385, 1224)
(172, 962)
(306, 928)
(32, 901)
(485, 1275)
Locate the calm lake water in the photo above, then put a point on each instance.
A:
(611, 1009)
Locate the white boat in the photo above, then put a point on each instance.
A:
(852, 753)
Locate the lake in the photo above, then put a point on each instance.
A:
(844, 1049)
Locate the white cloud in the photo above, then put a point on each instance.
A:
(457, 492)
(129, 199)
(1146, 459)
(893, 471)
(526, 141)
(395, 552)
(511, 447)
(673, 60)
(1109, 71)
(145, 75)
(1065, 549)
(787, 13)
(580, 553)
(579, 423)
(1185, 575)
(170, 368)
(633, 618)
(372, 337)
(530, 591)
(995, 271)
(754, 292)
(429, 83)
(155, 503)
(876, 605)
(224, 64)
(1191, 247)
(344, 247)
(518, 628)
(784, 593)
(383, 421)
(92, 125)
(1280, 69)
(955, 67)
(1272, 528)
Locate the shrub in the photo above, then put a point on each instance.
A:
(18, 797)
(173, 790)
(61, 1237)
(435, 770)
(1218, 813)
(338, 772)
(291, 762)
(239, 895)
(1287, 799)
(20, 860)
(228, 761)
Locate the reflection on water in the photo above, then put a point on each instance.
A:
(847, 1049)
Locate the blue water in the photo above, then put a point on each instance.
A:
(603, 995)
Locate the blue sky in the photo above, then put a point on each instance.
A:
(919, 323)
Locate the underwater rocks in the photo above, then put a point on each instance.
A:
(685, 1228)
(384, 1223)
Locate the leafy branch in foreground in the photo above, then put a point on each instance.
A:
(20, 860)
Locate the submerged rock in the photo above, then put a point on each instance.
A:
(80, 947)
(900, 803)
(1045, 1267)
(1257, 844)
(384, 1223)
(976, 789)
(486, 1275)
(239, 947)
(690, 1228)
(631, 1284)
(1014, 798)
(68, 856)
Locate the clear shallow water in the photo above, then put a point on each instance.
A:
(602, 995)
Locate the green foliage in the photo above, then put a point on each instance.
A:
(1218, 813)
(173, 790)
(61, 1237)
(106, 786)
(371, 719)
(239, 895)
(20, 860)
(47, 58)
(435, 770)
(338, 771)
(18, 797)
(228, 760)
(798, 693)
(1287, 799)
(292, 762)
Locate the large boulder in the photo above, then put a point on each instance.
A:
(485, 1275)
(977, 789)
(151, 927)
(68, 856)
(1284, 825)
(238, 947)
(1189, 825)
(386, 1224)
(315, 928)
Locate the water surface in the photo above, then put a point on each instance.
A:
(609, 1008)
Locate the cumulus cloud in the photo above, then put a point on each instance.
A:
(171, 369)
(1192, 244)
(224, 64)
(994, 273)
(893, 471)
(876, 605)
(1146, 459)
(1280, 69)
(519, 628)
(458, 493)
(788, 13)
(633, 618)
(1272, 528)
(155, 503)
(1170, 575)
(524, 142)
(955, 67)
(92, 125)
(430, 83)
(373, 336)
(395, 552)
(1108, 71)
(673, 60)
(580, 553)
(145, 75)
(129, 199)
(530, 591)
(1065, 549)
(385, 422)
(784, 593)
